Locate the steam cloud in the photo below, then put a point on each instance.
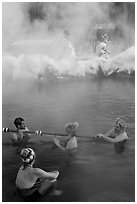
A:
(33, 35)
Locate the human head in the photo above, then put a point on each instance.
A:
(71, 128)
(120, 124)
(28, 156)
(19, 123)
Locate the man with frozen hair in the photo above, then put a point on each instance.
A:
(116, 135)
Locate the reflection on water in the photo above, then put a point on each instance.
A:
(96, 173)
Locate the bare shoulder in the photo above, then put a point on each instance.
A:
(38, 170)
(124, 135)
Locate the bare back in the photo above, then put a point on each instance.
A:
(26, 178)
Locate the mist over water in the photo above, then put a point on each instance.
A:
(50, 76)
(36, 44)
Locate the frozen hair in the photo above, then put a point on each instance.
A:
(71, 128)
(121, 123)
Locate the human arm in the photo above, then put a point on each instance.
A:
(56, 141)
(121, 137)
(110, 133)
(62, 148)
(46, 175)
(108, 137)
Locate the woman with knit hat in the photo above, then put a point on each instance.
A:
(31, 182)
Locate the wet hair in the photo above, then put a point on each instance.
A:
(18, 121)
(28, 156)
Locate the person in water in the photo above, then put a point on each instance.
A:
(71, 143)
(117, 135)
(32, 183)
(19, 138)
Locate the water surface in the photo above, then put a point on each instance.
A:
(97, 173)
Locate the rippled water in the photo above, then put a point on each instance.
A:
(97, 172)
